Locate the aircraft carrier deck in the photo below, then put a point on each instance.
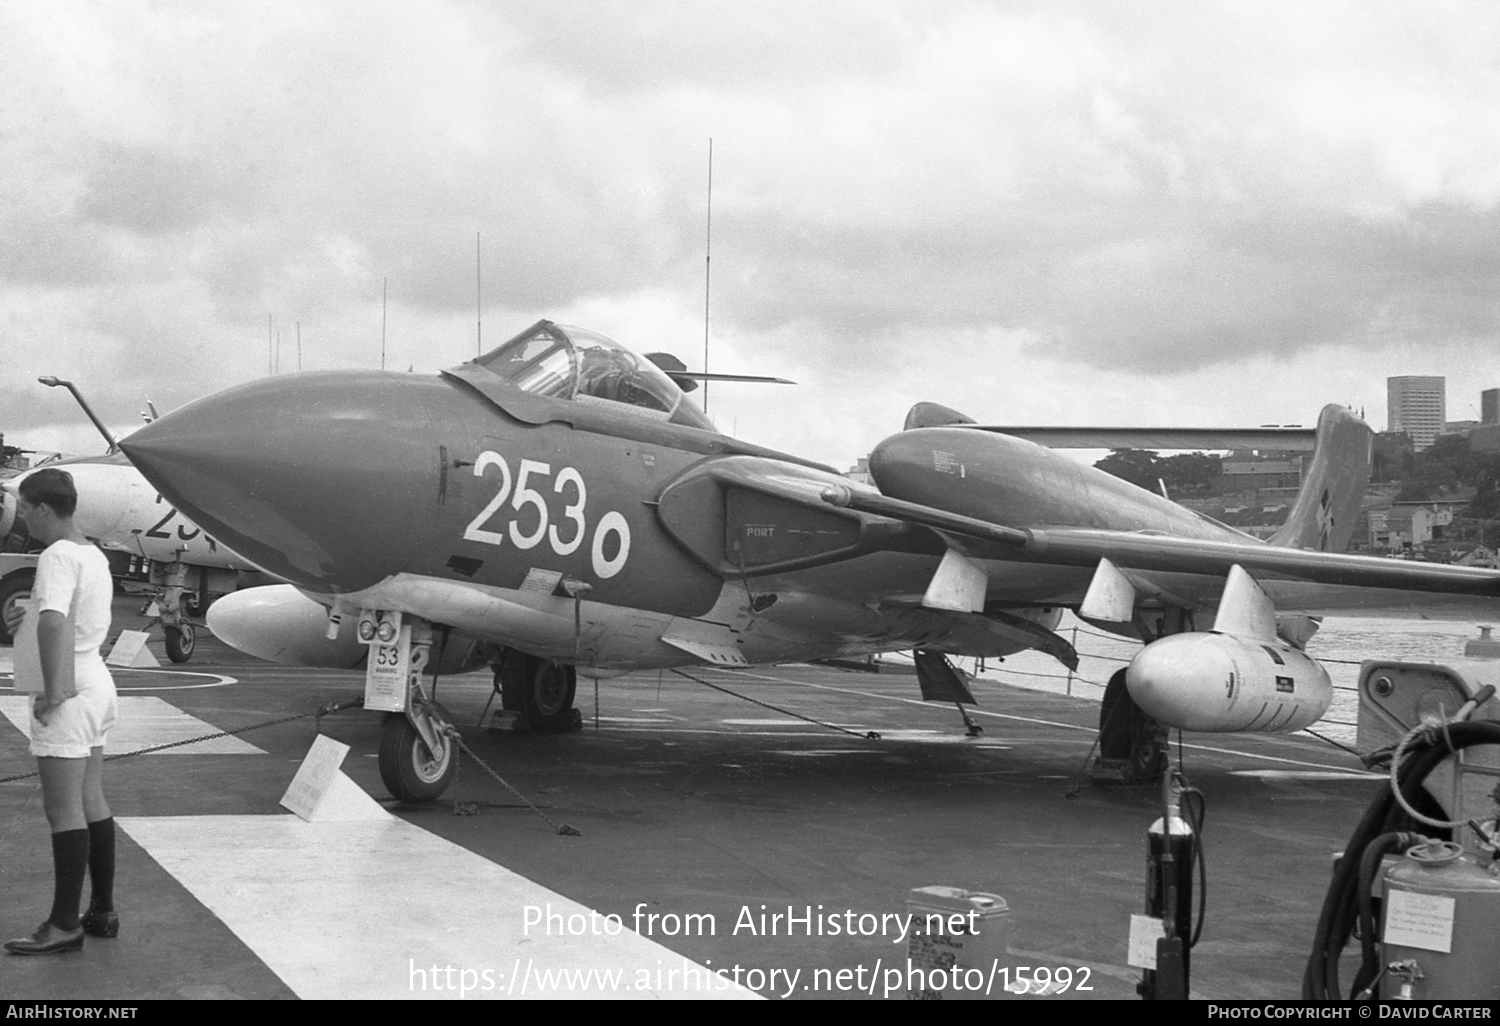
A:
(689, 802)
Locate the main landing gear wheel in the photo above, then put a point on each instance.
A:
(14, 593)
(541, 690)
(181, 640)
(408, 768)
(1132, 743)
(548, 699)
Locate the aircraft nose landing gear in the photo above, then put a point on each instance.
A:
(171, 581)
(418, 754)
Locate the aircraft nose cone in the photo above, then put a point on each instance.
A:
(317, 478)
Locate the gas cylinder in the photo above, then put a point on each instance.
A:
(1441, 910)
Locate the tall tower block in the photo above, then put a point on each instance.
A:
(1418, 406)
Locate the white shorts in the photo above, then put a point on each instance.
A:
(81, 723)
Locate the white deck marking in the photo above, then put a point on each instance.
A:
(779, 722)
(144, 722)
(382, 909)
(1270, 774)
(213, 680)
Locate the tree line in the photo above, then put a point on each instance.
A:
(1189, 473)
(1447, 469)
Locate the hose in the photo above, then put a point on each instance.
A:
(1369, 865)
(1340, 911)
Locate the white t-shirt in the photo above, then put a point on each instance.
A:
(74, 580)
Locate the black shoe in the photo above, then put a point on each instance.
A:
(48, 940)
(100, 924)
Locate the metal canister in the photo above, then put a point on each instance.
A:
(1441, 915)
(956, 945)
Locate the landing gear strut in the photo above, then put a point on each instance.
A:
(418, 747)
(1132, 744)
(171, 580)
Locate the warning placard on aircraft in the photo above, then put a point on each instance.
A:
(386, 671)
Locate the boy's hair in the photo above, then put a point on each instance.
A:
(52, 488)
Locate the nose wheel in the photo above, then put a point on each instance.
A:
(181, 640)
(412, 770)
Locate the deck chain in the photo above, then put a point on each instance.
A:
(328, 708)
(868, 735)
(459, 809)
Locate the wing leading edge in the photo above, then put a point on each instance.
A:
(1085, 547)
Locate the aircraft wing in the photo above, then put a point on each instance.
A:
(1279, 437)
(1275, 438)
(1085, 547)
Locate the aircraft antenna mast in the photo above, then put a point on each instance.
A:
(383, 283)
(478, 302)
(708, 239)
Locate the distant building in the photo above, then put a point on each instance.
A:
(1418, 406)
(1489, 406)
(1408, 526)
(1243, 474)
(860, 471)
(1480, 555)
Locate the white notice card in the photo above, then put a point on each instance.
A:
(1419, 921)
(314, 776)
(1145, 931)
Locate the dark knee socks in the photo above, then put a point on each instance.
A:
(70, 861)
(102, 865)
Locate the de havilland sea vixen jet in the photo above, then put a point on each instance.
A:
(559, 506)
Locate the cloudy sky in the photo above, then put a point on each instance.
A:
(1054, 213)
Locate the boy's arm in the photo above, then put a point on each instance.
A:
(55, 647)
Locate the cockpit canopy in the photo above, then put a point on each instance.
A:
(565, 362)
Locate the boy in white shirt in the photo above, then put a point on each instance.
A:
(71, 717)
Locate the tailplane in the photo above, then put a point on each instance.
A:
(1332, 487)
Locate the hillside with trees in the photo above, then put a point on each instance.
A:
(1448, 471)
